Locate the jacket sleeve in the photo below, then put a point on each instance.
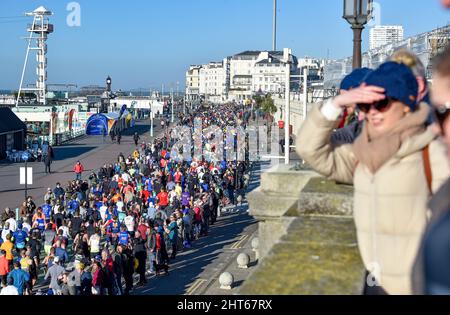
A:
(344, 135)
(440, 168)
(314, 146)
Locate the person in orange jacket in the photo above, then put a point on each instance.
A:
(78, 169)
(4, 267)
(8, 247)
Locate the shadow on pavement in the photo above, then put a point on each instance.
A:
(63, 153)
(20, 189)
(189, 265)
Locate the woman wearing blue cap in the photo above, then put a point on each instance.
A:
(395, 165)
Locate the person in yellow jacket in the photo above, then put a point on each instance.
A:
(136, 154)
(387, 164)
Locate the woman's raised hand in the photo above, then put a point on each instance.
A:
(362, 95)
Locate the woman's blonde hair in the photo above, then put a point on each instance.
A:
(410, 60)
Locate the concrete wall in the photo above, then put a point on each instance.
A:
(307, 236)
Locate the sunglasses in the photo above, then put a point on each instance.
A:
(442, 112)
(381, 106)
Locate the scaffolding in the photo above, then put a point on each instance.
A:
(42, 28)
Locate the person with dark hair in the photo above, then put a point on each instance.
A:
(119, 137)
(19, 277)
(20, 238)
(48, 159)
(140, 252)
(351, 124)
(127, 260)
(75, 224)
(78, 170)
(158, 248)
(10, 289)
(97, 279)
(49, 236)
(35, 246)
(136, 138)
(86, 281)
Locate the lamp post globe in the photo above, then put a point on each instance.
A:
(357, 13)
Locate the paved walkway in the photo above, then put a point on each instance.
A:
(196, 271)
(90, 150)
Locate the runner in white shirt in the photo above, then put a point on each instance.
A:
(6, 231)
(10, 289)
(56, 208)
(65, 230)
(129, 223)
(103, 210)
(12, 224)
(94, 243)
(172, 195)
(126, 177)
(26, 226)
(119, 205)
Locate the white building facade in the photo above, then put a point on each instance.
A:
(193, 82)
(382, 35)
(254, 72)
(213, 81)
(241, 76)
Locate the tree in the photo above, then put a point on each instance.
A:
(259, 100)
(268, 107)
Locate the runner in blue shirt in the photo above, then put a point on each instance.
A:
(124, 236)
(73, 206)
(47, 210)
(150, 186)
(99, 204)
(20, 238)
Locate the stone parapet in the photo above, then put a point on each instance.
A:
(307, 237)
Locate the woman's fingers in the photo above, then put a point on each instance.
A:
(364, 94)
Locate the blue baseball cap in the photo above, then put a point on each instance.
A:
(354, 79)
(398, 81)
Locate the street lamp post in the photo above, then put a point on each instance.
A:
(274, 30)
(287, 113)
(151, 121)
(305, 93)
(172, 107)
(108, 91)
(357, 13)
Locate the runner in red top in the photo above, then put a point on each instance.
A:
(163, 198)
(178, 176)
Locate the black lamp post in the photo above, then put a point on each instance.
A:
(108, 92)
(357, 13)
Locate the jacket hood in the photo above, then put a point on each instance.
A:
(416, 143)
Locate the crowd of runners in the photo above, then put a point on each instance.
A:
(96, 233)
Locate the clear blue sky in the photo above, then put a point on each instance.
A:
(143, 43)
